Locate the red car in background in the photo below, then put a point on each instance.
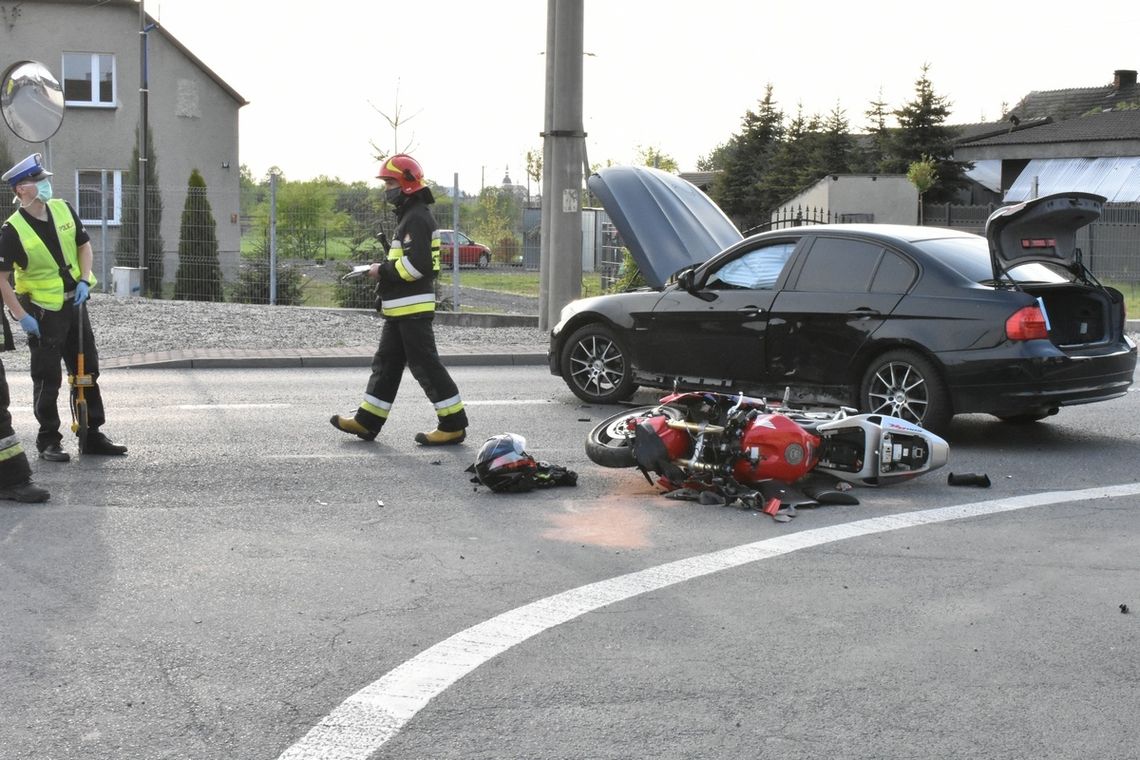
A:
(471, 254)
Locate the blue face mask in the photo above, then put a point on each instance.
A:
(43, 190)
(393, 194)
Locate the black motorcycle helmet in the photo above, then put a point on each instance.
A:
(503, 464)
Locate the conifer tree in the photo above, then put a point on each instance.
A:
(127, 247)
(199, 276)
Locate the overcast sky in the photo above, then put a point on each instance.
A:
(468, 76)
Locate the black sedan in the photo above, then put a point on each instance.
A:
(917, 322)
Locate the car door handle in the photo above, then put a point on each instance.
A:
(749, 311)
(864, 311)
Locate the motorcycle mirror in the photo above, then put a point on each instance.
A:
(31, 101)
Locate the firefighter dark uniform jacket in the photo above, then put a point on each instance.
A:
(41, 279)
(407, 278)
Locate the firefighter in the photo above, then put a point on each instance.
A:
(47, 247)
(406, 290)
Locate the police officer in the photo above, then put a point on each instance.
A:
(406, 286)
(46, 246)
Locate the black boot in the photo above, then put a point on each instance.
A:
(99, 444)
(27, 492)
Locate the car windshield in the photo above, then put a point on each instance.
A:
(971, 258)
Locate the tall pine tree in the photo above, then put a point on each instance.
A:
(127, 247)
(746, 158)
(199, 275)
(923, 135)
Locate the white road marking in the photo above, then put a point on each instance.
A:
(231, 406)
(376, 713)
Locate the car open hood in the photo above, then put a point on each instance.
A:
(1041, 229)
(666, 222)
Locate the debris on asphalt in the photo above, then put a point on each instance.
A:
(968, 479)
(1124, 609)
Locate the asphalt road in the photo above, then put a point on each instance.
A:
(246, 570)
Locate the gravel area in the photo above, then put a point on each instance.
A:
(126, 326)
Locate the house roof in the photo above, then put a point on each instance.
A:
(1073, 102)
(134, 4)
(1113, 125)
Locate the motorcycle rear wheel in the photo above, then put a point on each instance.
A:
(610, 443)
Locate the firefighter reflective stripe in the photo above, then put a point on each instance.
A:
(375, 406)
(406, 271)
(403, 264)
(401, 307)
(448, 406)
(435, 246)
(10, 447)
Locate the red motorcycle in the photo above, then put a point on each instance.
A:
(736, 445)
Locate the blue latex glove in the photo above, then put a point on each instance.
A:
(30, 325)
(82, 292)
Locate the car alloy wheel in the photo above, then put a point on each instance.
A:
(595, 367)
(904, 384)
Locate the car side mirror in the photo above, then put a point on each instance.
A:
(685, 280)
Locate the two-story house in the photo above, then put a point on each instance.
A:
(93, 49)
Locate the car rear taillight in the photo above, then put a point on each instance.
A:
(1027, 324)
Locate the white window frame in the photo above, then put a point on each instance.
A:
(93, 67)
(114, 188)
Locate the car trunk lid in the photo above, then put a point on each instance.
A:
(666, 222)
(1042, 229)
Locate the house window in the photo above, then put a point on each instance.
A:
(93, 202)
(89, 79)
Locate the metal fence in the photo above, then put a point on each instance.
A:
(292, 249)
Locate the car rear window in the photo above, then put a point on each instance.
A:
(971, 258)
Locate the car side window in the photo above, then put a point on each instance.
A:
(463, 239)
(445, 238)
(894, 275)
(839, 265)
(758, 269)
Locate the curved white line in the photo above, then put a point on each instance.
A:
(376, 713)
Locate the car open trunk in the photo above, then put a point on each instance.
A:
(1079, 315)
(1044, 230)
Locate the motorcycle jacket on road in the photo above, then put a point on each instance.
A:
(407, 277)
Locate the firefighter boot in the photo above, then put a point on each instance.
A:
(350, 425)
(441, 437)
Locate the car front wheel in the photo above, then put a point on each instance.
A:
(596, 366)
(484, 260)
(905, 384)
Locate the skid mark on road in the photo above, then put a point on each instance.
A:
(376, 713)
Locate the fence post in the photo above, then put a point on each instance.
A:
(273, 238)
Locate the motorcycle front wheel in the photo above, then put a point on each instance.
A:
(610, 443)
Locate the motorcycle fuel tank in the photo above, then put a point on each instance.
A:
(774, 447)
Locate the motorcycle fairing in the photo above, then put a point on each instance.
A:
(878, 450)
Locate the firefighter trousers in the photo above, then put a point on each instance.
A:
(410, 343)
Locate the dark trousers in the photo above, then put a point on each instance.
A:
(14, 467)
(59, 341)
(411, 343)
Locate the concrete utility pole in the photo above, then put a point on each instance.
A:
(560, 273)
(144, 91)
